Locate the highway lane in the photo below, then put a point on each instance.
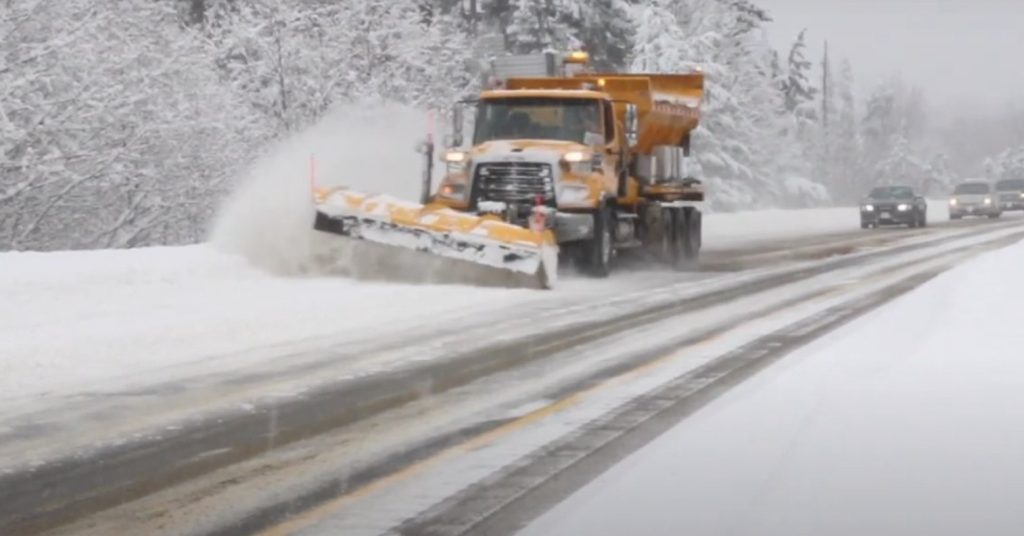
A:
(378, 445)
(198, 433)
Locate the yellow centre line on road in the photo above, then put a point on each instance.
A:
(315, 515)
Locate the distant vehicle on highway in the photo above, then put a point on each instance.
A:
(1011, 194)
(893, 205)
(974, 198)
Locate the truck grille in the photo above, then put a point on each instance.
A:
(517, 183)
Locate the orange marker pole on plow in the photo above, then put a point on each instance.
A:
(428, 152)
(312, 174)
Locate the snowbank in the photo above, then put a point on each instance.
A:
(74, 321)
(907, 421)
(726, 230)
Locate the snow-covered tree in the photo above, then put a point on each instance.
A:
(797, 87)
(605, 29)
(901, 166)
(662, 43)
(601, 26)
(296, 60)
(1008, 164)
(846, 153)
(539, 25)
(880, 123)
(122, 123)
(113, 131)
(740, 147)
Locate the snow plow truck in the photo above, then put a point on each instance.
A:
(562, 163)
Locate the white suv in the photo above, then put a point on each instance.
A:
(974, 198)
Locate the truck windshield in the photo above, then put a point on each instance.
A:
(542, 118)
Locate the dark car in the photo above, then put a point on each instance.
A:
(893, 205)
(1011, 194)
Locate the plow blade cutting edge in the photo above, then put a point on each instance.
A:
(432, 243)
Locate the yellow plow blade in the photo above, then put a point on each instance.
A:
(409, 241)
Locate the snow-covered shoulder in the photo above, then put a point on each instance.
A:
(906, 421)
(78, 321)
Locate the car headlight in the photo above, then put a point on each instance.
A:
(988, 200)
(903, 207)
(573, 193)
(869, 208)
(952, 202)
(1022, 195)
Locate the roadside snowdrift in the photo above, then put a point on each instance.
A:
(72, 321)
(907, 421)
(110, 319)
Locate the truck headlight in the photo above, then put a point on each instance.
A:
(952, 202)
(573, 193)
(455, 156)
(576, 162)
(573, 157)
(869, 208)
(903, 207)
(453, 190)
(457, 161)
(988, 200)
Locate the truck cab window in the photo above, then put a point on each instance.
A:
(609, 122)
(547, 118)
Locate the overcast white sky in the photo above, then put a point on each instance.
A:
(962, 51)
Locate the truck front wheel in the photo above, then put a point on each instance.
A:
(598, 251)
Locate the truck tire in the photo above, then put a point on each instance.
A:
(695, 222)
(686, 237)
(598, 251)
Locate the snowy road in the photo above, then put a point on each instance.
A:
(76, 323)
(907, 421)
(514, 383)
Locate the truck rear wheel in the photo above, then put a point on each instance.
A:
(687, 237)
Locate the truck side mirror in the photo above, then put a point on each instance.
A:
(632, 129)
(455, 139)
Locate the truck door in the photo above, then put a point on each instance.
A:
(614, 162)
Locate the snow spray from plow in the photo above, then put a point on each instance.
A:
(271, 218)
